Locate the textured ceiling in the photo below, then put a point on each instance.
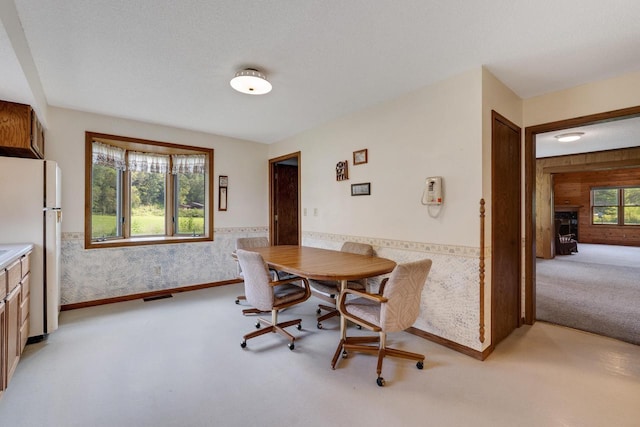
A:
(610, 135)
(170, 62)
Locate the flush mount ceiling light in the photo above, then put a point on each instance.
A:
(569, 137)
(251, 82)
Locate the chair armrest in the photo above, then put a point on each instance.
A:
(289, 280)
(382, 285)
(372, 297)
(305, 284)
(343, 310)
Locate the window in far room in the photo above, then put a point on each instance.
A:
(615, 206)
(141, 192)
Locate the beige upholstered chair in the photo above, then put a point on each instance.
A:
(248, 243)
(395, 308)
(327, 290)
(267, 295)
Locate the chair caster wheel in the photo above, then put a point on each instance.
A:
(419, 365)
(359, 326)
(237, 301)
(291, 346)
(299, 326)
(257, 325)
(318, 311)
(380, 381)
(319, 325)
(243, 344)
(344, 354)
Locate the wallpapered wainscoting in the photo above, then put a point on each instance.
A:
(95, 274)
(450, 299)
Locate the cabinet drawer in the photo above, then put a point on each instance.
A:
(25, 264)
(24, 335)
(14, 274)
(24, 298)
(3, 284)
(26, 287)
(24, 310)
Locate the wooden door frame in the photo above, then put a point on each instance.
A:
(297, 155)
(530, 133)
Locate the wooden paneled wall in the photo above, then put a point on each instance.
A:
(574, 189)
(547, 167)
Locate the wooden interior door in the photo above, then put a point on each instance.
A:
(285, 196)
(505, 227)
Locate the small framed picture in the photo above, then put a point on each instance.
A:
(222, 198)
(360, 157)
(223, 181)
(363, 189)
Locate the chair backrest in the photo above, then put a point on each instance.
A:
(357, 248)
(252, 242)
(256, 280)
(403, 291)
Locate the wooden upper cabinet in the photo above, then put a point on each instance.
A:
(21, 133)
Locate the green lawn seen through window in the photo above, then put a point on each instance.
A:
(191, 222)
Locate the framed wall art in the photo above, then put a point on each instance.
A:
(360, 157)
(222, 198)
(363, 189)
(223, 184)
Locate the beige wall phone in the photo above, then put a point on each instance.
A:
(432, 194)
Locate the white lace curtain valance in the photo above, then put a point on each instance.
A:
(188, 163)
(108, 155)
(148, 162)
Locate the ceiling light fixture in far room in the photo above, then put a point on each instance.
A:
(251, 81)
(569, 137)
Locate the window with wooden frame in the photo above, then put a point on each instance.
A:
(615, 206)
(141, 192)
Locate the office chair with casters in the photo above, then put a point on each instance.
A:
(250, 243)
(328, 290)
(265, 294)
(394, 308)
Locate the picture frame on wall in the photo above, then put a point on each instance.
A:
(362, 189)
(223, 184)
(360, 157)
(222, 198)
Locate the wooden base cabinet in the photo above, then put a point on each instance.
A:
(24, 311)
(3, 347)
(12, 311)
(14, 316)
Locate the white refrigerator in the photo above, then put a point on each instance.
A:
(30, 212)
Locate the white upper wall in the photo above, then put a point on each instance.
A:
(244, 162)
(435, 131)
(592, 98)
(495, 97)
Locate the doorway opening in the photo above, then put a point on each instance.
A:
(531, 232)
(284, 200)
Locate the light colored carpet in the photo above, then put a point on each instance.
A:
(178, 362)
(595, 290)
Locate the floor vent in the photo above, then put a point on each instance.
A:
(157, 297)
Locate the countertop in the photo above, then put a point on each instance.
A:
(11, 252)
